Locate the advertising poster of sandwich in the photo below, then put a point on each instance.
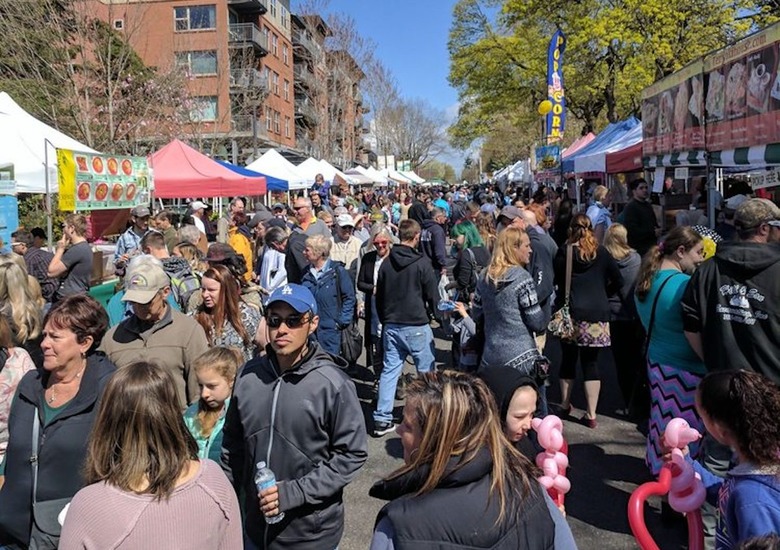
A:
(90, 181)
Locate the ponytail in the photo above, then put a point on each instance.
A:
(651, 263)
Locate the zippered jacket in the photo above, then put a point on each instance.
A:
(307, 426)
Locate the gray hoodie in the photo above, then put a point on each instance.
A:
(307, 425)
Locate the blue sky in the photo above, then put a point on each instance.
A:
(411, 40)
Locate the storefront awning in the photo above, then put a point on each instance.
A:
(757, 156)
(689, 158)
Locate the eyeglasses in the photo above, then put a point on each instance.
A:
(381, 243)
(292, 321)
(296, 208)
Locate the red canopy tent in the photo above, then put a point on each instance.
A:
(182, 172)
(627, 160)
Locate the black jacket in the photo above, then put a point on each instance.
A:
(433, 244)
(294, 262)
(543, 250)
(461, 513)
(62, 448)
(418, 212)
(365, 284)
(307, 425)
(733, 300)
(406, 288)
(640, 221)
(591, 284)
(467, 270)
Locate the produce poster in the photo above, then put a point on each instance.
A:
(672, 112)
(742, 87)
(90, 181)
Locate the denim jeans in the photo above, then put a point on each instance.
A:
(400, 341)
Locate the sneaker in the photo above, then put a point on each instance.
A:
(383, 428)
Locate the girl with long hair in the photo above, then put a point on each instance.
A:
(462, 475)
(14, 363)
(147, 487)
(216, 372)
(21, 306)
(674, 369)
(505, 301)
(227, 320)
(739, 409)
(486, 226)
(560, 229)
(624, 326)
(594, 277)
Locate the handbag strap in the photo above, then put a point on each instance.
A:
(36, 432)
(569, 261)
(652, 310)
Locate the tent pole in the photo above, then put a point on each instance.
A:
(711, 187)
(49, 223)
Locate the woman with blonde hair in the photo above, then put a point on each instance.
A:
(461, 474)
(21, 303)
(624, 327)
(147, 487)
(598, 212)
(505, 302)
(14, 363)
(673, 367)
(594, 277)
(193, 255)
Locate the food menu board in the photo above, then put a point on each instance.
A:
(90, 181)
(742, 86)
(672, 112)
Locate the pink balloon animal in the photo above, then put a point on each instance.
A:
(552, 461)
(686, 492)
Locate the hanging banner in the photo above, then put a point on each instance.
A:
(548, 158)
(101, 182)
(556, 118)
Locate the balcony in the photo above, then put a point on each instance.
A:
(358, 98)
(304, 77)
(304, 44)
(244, 35)
(305, 109)
(248, 7)
(245, 79)
(242, 124)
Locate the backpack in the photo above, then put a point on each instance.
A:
(183, 284)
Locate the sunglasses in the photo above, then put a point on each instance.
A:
(292, 321)
(296, 208)
(381, 243)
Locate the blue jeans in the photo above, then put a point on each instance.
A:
(400, 341)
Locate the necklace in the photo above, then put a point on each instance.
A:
(53, 391)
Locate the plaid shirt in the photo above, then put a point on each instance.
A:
(38, 261)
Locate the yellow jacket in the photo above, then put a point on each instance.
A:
(242, 246)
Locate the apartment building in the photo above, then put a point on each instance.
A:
(238, 58)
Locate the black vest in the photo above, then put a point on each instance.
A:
(461, 513)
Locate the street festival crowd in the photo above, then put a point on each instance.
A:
(228, 348)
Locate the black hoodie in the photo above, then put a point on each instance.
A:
(433, 244)
(406, 288)
(733, 300)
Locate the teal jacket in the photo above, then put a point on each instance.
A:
(208, 447)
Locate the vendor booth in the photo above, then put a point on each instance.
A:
(275, 165)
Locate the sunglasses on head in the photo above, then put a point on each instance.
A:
(292, 321)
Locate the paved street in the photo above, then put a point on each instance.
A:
(606, 465)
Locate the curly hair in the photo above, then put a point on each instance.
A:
(746, 404)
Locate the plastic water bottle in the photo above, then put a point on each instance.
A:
(265, 479)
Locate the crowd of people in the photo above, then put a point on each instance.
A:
(229, 345)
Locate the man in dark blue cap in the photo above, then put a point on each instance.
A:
(297, 411)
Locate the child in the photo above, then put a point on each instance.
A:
(465, 347)
(216, 371)
(739, 409)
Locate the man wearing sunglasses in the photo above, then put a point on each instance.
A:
(296, 410)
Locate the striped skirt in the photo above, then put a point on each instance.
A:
(672, 395)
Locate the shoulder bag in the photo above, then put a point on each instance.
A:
(46, 527)
(561, 324)
(351, 338)
(646, 347)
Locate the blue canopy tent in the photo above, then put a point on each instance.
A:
(272, 183)
(609, 135)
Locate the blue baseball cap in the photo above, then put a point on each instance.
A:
(297, 297)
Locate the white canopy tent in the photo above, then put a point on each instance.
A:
(23, 144)
(373, 173)
(409, 174)
(274, 164)
(329, 172)
(596, 160)
(395, 176)
(359, 177)
(309, 168)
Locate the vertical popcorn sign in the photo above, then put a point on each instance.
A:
(556, 118)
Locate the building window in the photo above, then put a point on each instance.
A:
(286, 90)
(285, 54)
(284, 17)
(272, 7)
(277, 127)
(205, 109)
(275, 44)
(268, 120)
(193, 18)
(198, 63)
(266, 35)
(275, 84)
(286, 126)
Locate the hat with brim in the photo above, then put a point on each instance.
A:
(260, 217)
(140, 212)
(297, 297)
(345, 220)
(143, 282)
(197, 205)
(754, 212)
(510, 212)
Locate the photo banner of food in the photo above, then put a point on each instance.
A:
(101, 181)
(672, 112)
(742, 93)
